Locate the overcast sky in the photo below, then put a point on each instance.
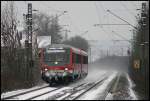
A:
(82, 15)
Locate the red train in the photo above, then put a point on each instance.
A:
(63, 63)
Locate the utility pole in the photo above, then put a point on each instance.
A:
(28, 43)
(143, 58)
(29, 20)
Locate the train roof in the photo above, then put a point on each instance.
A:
(76, 50)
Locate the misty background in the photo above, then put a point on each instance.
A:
(81, 17)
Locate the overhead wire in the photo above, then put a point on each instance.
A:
(119, 35)
(99, 17)
(131, 13)
(108, 21)
(97, 11)
(105, 17)
(134, 5)
(52, 8)
(73, 25)
(101, 26)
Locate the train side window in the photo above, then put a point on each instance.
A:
(85, 59)
(73, 58)
(77, 58)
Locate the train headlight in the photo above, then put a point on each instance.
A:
(66, 69)
(56, 62)
(45, 69)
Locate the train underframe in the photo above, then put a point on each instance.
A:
(64, 77)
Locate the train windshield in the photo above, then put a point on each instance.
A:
(56, 57)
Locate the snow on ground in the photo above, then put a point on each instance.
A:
(99, 92)
(94, 74)
(124, 89)
(47, 96)
(131, 85)
(109, 97)
(10, 93)
(34, 93)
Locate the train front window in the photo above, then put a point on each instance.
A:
(56, 57)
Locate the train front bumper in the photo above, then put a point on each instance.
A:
(54, 76)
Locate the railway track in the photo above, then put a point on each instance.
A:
(80, 92)
(33, 93)
(59, 93)
(112, 87)
(60, 89)
(75, 92)
(24, 92)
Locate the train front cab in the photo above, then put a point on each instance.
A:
(76, 69)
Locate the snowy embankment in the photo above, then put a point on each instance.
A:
(131, 85)
(100, 91)
(123, 89)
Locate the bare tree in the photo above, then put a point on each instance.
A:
(9, 32)
(10, 46)
(47, 26)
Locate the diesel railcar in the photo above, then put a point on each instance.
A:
(63, 63)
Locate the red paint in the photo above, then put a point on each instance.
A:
(72, 66)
